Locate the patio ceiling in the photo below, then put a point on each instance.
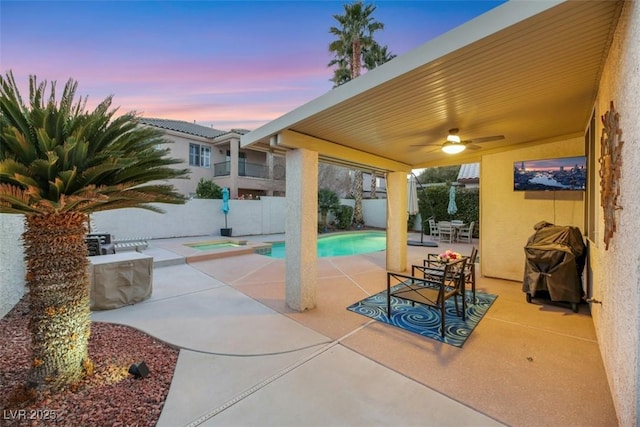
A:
(525, 70)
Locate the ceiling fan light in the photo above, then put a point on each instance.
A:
(453, 147)
(453, 138)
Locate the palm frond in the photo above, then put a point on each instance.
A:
(64, 157)
(15, 200)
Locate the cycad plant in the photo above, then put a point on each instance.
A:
(58, 163)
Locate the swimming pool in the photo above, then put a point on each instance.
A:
(342, 244)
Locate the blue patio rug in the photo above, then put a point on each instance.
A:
(424, 320)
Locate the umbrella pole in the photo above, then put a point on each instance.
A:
(422, 223)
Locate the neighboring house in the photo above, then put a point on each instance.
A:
(215, 155)
(469, 175)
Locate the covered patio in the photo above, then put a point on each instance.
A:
(526, 72)
(538, 74)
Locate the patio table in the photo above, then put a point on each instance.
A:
(456, 226)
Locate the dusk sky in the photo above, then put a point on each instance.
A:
(225, 64)
(553, 164)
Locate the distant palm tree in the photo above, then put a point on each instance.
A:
(58, 163)
(376, 56)
(354, 41)
(341, 74)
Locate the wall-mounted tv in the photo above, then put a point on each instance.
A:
(559, 174)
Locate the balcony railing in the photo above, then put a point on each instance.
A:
(222, 169)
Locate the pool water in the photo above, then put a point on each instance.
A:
(341, 244)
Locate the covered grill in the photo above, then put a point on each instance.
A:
(555, 258)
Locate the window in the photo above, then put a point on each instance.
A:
(199, 155)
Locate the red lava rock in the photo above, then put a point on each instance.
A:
(109, 397)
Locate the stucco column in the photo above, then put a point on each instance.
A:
(396, 221)
(234, 148)
(301, 229)
(270, 173)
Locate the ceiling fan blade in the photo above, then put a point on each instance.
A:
(472, 146)
(485, 139)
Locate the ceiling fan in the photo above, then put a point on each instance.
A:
(454, 145)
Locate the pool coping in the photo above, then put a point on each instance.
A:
(243, 247)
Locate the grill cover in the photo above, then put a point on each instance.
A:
(555, 257)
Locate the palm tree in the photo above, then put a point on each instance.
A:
(354, 38)
(376, 56)
(373, 57)
(58, 163)
(341, 74)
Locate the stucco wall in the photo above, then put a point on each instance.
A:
(374, 211)
(195, 218)
(616, 272)
(507, 217)
(11, 261)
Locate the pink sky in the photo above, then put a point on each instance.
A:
(233, 64)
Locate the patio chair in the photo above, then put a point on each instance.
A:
(445, 231)
(432, 291)
(470, 272)
(466, 233)
(433, 229)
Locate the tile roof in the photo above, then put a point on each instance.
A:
(184, 127)
(469, 172)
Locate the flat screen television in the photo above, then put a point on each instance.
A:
(559, 174)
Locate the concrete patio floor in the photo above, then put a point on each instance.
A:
(246, 359)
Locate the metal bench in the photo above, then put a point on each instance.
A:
(136, 244)
(106, 246)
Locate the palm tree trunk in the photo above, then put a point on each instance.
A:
(374, 186)
(58, 291)
(356, 59)
(358, 218)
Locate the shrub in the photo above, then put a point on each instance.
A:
(207, 189)
(328, 201)
(435, 200)
(343, 216)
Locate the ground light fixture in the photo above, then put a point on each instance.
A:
(139, 370)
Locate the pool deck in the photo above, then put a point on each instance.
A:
(247, 359)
